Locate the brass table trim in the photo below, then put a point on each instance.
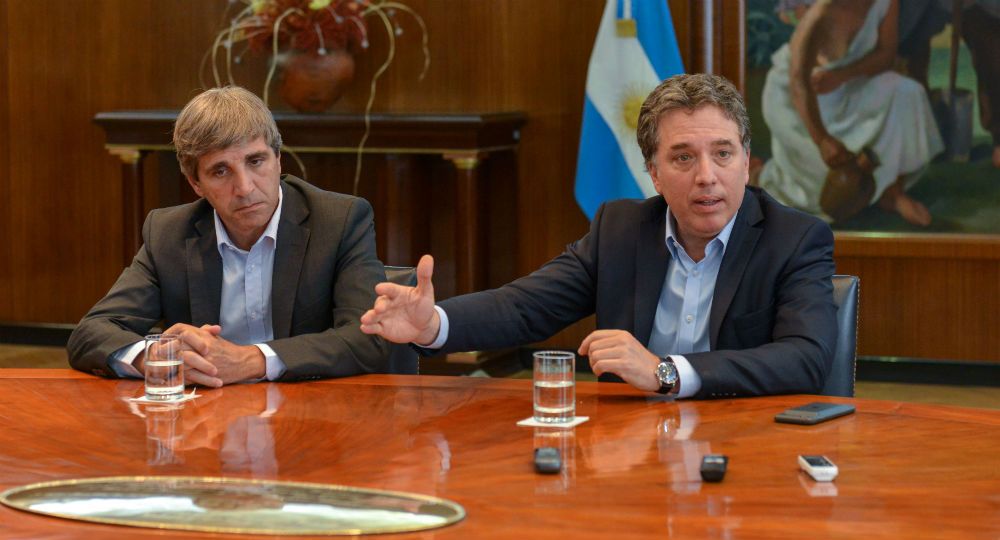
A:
(5, 498)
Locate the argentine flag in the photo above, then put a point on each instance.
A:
(635, 49)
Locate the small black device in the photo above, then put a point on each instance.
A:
(813, 413)
(713, 467)
(547, 460)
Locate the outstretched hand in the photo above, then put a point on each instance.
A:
(405, 314)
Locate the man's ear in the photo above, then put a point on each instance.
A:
(194, 184)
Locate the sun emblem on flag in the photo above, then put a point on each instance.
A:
(630, 103)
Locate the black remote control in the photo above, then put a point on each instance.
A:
(713, 467)
(547, 460)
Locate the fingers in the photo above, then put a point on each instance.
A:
(425, 269)
(369, 322)
(193, 360)
(589, 342)
(213, 329)
(391, 290)
(178, 328)
(197, 340)
(193, 376)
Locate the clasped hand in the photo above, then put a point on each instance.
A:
(212, 361)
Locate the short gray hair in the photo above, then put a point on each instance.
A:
(689, 92)
(219, 118)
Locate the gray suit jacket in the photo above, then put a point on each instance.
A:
(325, 271)
(772, 326)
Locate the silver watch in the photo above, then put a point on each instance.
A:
(666, 373)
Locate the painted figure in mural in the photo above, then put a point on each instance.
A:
(831, 93)
(979, 24)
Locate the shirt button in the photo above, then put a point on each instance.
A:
(689, 318)
(695, 273)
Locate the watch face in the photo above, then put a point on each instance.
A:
(666, 373)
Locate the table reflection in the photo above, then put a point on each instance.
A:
(238, 430)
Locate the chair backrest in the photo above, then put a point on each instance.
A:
(840, 380)
(402, 358)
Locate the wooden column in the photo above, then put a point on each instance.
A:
(132, 199)
(470, 275)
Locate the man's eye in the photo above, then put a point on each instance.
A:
(725, 153)
(683, 158)
(256, 161)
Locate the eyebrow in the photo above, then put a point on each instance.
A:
(262, 153)
(717, 142)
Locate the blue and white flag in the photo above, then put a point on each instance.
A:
(635, 49)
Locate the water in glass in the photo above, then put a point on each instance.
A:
(555, 387)
(164, 370)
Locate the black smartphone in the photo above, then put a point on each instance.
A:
(813, 413)
(547, 460)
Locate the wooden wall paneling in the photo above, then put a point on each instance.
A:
(926, 296)
(6, 239)
(711, 37)
(55, 226)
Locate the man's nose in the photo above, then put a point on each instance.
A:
(242, 182)
(705, 172)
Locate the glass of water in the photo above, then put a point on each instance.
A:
(164, 368)
(555, 386)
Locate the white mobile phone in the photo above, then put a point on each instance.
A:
(819, 468)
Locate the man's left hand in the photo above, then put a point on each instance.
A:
(235, 363)
(618, 352)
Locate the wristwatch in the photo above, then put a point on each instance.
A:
(666, 373)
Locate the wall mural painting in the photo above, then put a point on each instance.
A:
(878, 115)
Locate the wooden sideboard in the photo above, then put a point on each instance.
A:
(469, 142)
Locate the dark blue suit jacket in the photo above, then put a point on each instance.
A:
(773, 321)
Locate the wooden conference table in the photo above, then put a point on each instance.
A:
(906, 470)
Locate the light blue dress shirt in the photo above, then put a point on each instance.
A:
(245, 308)
(682, 314)
(681, 322)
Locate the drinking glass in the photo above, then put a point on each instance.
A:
(555, 387)
(164, 368)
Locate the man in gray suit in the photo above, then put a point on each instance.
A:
(709, 289)
(264, 277)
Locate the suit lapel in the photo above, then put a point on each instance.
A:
(204, 270)
(293, 237)
(652, 259)
(741, 245)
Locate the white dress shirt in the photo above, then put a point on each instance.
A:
(245, 307)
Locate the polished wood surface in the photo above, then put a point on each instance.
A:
(906, 470)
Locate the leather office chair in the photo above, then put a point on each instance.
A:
(402, 358)
(840, 380)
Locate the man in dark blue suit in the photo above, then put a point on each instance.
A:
(711, 289)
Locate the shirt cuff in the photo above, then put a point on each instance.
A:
(442, 336)
(121, 360)
(687, 378)
(274, 368)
